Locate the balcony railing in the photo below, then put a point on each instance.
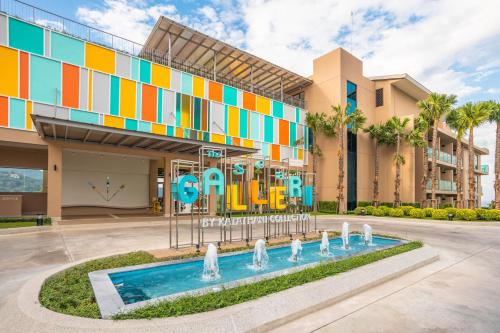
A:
(483, 168)
(443, 185)
(56, 22)
(443, 157)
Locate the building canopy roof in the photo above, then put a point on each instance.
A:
(406, 84)
(200, 54)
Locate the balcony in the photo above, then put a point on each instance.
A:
(443, 186)
(443, 157)
(483, 169)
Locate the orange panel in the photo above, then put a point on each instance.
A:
(71, 86)
(4, 111)
(248, 101)
(215, 91)
(275, 153)
(301, 154)
(29, 108)
(149, 99)
(23, 74)
(284, 132)
(236, 141)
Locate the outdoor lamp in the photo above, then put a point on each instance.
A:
(218, 245)
(363, 212)
(246, 240)
(39, 219)
(304, 235)
(197, 248)
(291, 237)
(450, 216)
(267, 239)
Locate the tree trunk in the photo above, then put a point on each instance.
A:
(433, 165)
(340, 185)
(315, 173)
(397, 182)
(423, 181)
(377, 172)
(472, 186)
(497, 168)
(460, 175)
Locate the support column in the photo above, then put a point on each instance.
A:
(54, 181)
(166, 185)
(153, 180)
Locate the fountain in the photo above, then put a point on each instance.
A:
(324, 246)
(210, 264)
(296, 249)
(260, 257)
(367, 234)
(345, 236)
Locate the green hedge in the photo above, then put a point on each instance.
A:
(46, 220)
(417, 213)
(328, 206)
(439, 214)
(396, 212)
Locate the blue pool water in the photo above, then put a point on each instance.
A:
(164, 280)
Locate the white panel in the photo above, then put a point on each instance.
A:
(302, 116)
(46, 43)
(175, 80)
(288, 112)
(240, 98)
(169, 107)
(3, 30)
(286, 152)
(217, 118)
(276, 132)
(261, 129)
(100, 92)
(82, 168)
(300, 131)
(84, 87)
(122, 65)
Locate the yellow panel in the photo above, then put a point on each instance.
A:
(159, 129)
(263, 105)
(127, 98)
(29, 108)
(112, 121)
(233, 128)
(301, 154)
(99, 58)
(160, 76)
(198, 87)
(247, 143)
(218, 138)
(179, 132)
(8, 71)
(186, 111)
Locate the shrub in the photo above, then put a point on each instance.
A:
(406, 209)
(396, 212)
(378, 212)
(328, 206)
(428, 211)
(452, 211)
(481, 213)
(492, 215)
(369, 210)
(385, 209)
(466, 214)
(364, 203)
(439, 214)
(360, 210)
(417, 213)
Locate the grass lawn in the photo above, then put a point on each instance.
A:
(5, 225)
(70, 291)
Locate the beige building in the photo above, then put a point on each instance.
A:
(338, 78)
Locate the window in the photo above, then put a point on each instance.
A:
(379, 97)
(22, 180)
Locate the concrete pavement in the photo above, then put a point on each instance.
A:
(457, 293)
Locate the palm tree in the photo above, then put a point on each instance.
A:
(397, 133)
(495, 118)
(419, 139)
(474, 115)
(378, 133)
(456, 121)
(436, 106)
(316, 124)
(336, 125)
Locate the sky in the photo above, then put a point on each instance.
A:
(450, 46)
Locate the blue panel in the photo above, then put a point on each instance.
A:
(135, 69)
(84, 117)
(45, 80)
(297, 115)
(293, 134)
(278, 109)
(187, 84)
(131, 124)
(145, 71)
(170, 130)
(25, 36)
(230, 95)
(265, 150)
(243, 123)
(254, 126)
(268, 129)
(144, 127)
(159, 113)
(17, 114)
(115, 96)
(67, 49)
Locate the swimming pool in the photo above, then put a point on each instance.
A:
(139, 284)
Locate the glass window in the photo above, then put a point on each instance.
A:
(22, 180)
(379, 97)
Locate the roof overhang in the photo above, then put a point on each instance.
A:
(405, 83)
(66, 130)
(209, 55)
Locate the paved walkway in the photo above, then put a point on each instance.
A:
(458, 293)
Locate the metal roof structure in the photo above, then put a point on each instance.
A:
(184, 48)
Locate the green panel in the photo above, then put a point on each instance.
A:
(131, 124)
(244, 123)
(159, 113)
(197, 113)
(178, 110)
(135, 69)
(278, 109)
(144, 126)
(145, 71)
(170, 130)
(230, 95)
(17, 114)
(187, 84)
(115, 96)
(84, 117)
(293, 134)
(268, 129)
(67, 49)
(206, 136)
(187, 133)
(45, 80)
(25, 36)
